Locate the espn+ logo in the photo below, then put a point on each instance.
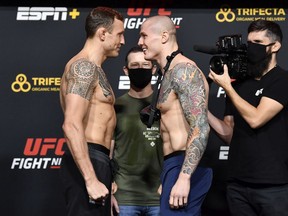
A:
(45, 13)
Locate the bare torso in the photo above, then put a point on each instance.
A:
(100, 119)
(174, 125)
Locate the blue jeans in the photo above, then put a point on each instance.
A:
(139, 210)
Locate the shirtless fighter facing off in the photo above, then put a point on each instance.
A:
(183, 102)
(87, 101)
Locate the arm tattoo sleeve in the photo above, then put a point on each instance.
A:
(81, 79)
(189, 86)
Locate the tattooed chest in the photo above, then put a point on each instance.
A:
(105, 85)
(166, 88)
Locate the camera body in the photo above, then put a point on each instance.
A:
(234, 56)
(148, 115)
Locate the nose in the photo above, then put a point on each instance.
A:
(140, 42)
(122, 40)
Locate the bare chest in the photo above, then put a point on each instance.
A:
(167, 96)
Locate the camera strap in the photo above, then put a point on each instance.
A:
(157, 87)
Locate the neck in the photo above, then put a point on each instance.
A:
(272, 65)
(93, 52)
(141, 93)
(163, 58)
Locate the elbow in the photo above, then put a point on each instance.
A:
(227, 139)
(206, 133)
(255, 123)
(67, 128)
(208, 128)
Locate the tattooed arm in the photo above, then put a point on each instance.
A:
(189, 86)
(80, 82)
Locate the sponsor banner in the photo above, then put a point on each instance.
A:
(226, 14)
(40, 153)
(35, 84)
(46, 13)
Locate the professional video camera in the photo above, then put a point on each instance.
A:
(234, 56)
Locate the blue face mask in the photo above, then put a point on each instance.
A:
(257, 52)
(140, 77)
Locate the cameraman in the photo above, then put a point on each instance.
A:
(256, 126)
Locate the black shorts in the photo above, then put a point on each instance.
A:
(76, 196)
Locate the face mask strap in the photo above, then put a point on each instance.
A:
(271, 44)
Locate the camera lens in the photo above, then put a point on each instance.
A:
(217, 63)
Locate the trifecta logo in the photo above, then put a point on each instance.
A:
(36, 84)
(45, 13)
(226, 14)
(40, 153)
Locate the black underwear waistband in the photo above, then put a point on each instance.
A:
(174, 154)
(98, 147)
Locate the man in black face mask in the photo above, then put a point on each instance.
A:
(137, 149)
(256, 127)
(258, 58)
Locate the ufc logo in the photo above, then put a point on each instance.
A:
(39, 146)
(137, 8)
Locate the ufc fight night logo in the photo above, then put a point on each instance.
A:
(137, 13)
(40, 153)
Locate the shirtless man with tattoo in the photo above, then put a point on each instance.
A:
(183, 102)
(87, 101)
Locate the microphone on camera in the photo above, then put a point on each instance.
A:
(206, 49)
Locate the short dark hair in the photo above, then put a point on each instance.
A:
(134, 49)
(101, 17)
(273, 29)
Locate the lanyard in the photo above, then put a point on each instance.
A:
(156, 91)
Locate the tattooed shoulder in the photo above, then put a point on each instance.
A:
(186, 74)
(81, 78)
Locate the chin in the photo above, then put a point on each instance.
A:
(113, 55)
(148, 58)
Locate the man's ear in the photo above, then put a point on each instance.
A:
(276, 47)
(101, 33)
(125, 69)
(165, 37)
(154, 68)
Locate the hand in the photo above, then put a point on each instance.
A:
(97, 192)
(114, 204)
(159, 191)
(222, 80)
(114, 187)
(179, 193)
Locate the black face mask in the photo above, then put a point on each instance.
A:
(256, 70)
(257, 52)
(140, 77)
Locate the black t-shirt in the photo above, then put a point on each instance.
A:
(260, 155)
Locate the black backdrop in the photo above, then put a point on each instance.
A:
(36, 41)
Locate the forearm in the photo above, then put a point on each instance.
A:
(246, 110)
(223, 130)
(78, 147)
(195, 149)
